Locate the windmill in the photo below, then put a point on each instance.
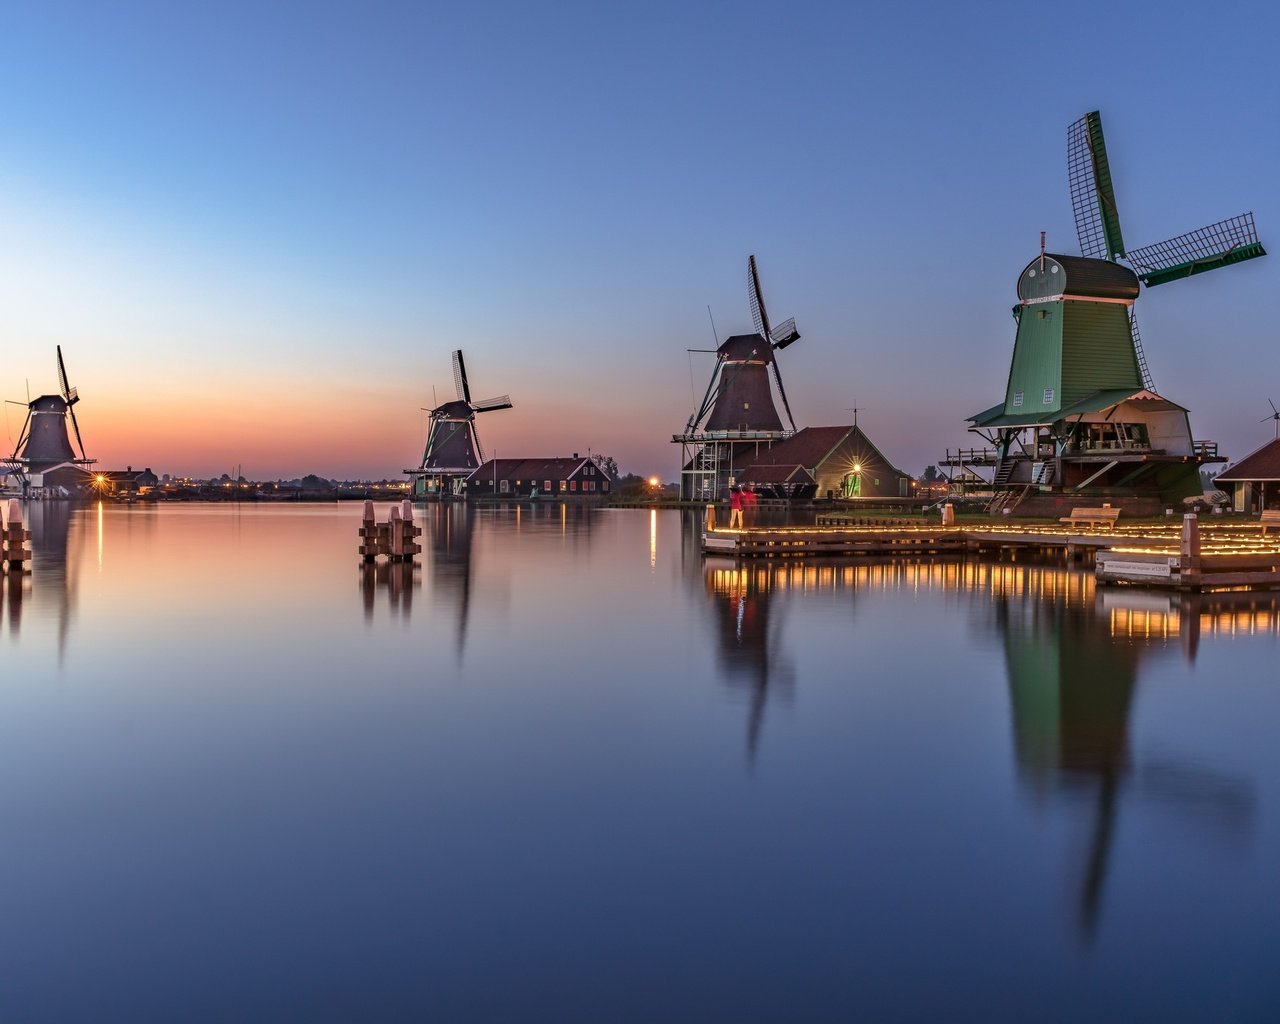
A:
(737, 416)
(453, 449)
(1274, 417)
(45, 443)
(1080, 415)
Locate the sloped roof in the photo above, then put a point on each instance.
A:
(812, 446)
(772, 474)
(1097, 402)
(531, 469)
(806, 447)
(1263, 464)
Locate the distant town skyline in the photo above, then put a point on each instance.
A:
(258, 232)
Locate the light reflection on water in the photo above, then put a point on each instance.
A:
(567, 768)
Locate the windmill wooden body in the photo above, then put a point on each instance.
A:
(43, 459)
(453, 449)
(737, 418)
(1081, 416)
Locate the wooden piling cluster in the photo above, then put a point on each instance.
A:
(396, 538)
(13, 540)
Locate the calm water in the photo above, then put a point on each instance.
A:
(567, 770)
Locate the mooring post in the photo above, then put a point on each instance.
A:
(15, 539)
(711, 518)
(1189, 562)
(368, 534)
(396, 537)
(410, 529)
(948, 514)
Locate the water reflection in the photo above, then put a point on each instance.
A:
(1072, 657)
(447, 531)
(397, 580)
(55, 567)
(747, 633)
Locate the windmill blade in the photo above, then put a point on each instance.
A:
(777, 376)
(1137, 351)
(76, 427)
(460, 377)
(22, 438)
(475, 436)
(68, 392)
(489, 404)
(759, 315)
(1093, 200)
(708, 399)
(1273, 408)
(1233, 240)
(784, 334)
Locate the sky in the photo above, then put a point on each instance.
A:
(258, 230)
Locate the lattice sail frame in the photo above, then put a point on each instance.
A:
(1093, 199)
(1218, 245)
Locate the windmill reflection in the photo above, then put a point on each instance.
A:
(55, 566)
(1073, 658)
(748, 628)
(447, 535)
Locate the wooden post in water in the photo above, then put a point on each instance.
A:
(1189, 563)
(396, 538)
(411, 531)
(368, 534)
(711, 518)
(948, 514)
(15, 539)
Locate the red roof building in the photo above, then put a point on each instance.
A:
(1254, 481)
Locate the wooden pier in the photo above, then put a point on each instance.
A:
(1181, 556)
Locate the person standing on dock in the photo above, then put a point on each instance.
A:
(735, 507)
(749, 499)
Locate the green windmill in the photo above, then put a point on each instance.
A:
(1080, 416)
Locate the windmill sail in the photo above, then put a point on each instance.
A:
(1093, 200)
(1233, 240)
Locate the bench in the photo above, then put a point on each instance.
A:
(1105, 516)
(1270, 520)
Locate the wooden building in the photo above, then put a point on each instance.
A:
(578, 477)
(827, 462)
(1254, 481)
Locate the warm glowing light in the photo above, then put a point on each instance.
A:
(857, 467)
(653, 481)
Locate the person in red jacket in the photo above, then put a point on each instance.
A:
(749, 499)
(735, 507)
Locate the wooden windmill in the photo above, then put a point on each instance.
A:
(737, 418)
(1080, 415)
(453, 449)
(44, 447)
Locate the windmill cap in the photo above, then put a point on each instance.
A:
(741, 347)
(1076, 275)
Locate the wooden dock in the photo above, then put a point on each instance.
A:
(1177, 556)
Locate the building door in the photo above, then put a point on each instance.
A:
(851, 485)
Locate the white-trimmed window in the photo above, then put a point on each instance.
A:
(546, 485)
(573, 485)
(564, 485)
(506, 486)
(1048, 396)
(1017, 399)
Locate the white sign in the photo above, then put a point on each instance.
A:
(1136, 568)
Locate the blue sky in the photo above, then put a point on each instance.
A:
(259, 230)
